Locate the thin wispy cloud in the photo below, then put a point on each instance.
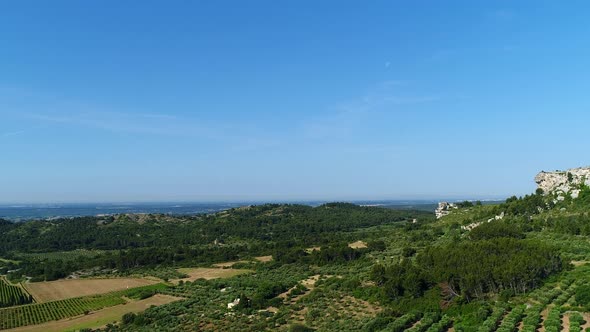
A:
(454, 54)
(13, 133)
(235, 136)
(121, 122)
(346, 117)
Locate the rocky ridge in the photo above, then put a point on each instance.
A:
(563, 183)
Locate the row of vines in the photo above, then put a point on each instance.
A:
(12, 295)
(43, 312)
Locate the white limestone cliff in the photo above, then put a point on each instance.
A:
(563, 182)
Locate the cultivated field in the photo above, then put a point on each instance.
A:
(66, 289)
(98, 318)
(261, 259)
(12, 295)
(40, 313)
(210, 273)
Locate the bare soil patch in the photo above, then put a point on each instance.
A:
(227, 264)
(586, 325)
(263, 259)
(358, 245)
(312, 249)
(65, 289)
(415, 324)
(565, 322)
(98, 318)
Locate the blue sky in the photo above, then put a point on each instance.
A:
(285, 100)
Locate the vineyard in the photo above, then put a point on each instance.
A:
(12, 295)
(43, 312)
(551, 308)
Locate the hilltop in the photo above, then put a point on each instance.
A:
(334, 267)
(562, 183)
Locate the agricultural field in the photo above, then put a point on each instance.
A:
(71, 288)
(11, 295)
(210, 273)
(49, 311)
(259, 259)
(100, 317)
(63, 255)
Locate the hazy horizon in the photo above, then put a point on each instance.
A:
(250, 200)
(283, 101)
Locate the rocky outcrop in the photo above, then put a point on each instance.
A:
(563, 183)
(475, 224)
(444, 208)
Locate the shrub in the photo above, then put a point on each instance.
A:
(583, 295)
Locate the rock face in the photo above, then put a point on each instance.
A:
(563, 182)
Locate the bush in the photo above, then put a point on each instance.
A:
(403, 322)
(441, 325)
(583, 295)
(128, 318)
(426, 322)
(491, 322)
(553, 321)
(300, 328)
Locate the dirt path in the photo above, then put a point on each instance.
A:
(309, 283)
(415, 324)
(98, 318)
(544, 315)
(586, 325)
(565, 322)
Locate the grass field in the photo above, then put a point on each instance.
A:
(210, 273)
(228, 264)
(66, 289)
(98, 318)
